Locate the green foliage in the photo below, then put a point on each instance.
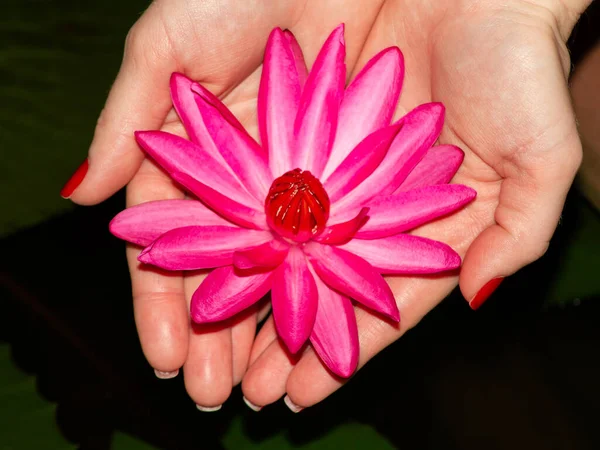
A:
(577, 277)
(26, 420)
(350, 436)
(57, 62)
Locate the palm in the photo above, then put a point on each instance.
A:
(493, 113)
(452, 55)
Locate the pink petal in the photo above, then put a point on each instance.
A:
(294, 299)
(184, 99)
(278, 100)
(224, 293)
(267, 255)
(335, 334)
(343, 232)
(407, 210)
(185, 106)
(317, 118)
(420, 129)
(232, 210)
(352, 276)
(360, 163)
(214, 128)
(247, 159)
(200, 247)
(298, 57)
(368, 104)
(184, 102)
(438, 166)
(405, 254)
(142, 224)
(175, 154)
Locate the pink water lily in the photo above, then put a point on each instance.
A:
(318, 212)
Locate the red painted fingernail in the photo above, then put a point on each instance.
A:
(484, 293)
(75, 180)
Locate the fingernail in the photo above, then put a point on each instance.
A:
(75, 180)
(208, 408)
(251, 405)
(165, 375)
(290, 404)
(484, 293)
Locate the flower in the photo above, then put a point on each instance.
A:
(318, 212)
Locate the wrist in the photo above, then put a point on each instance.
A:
(560, 14)
(566, 13)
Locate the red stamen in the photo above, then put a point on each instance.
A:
(297, 206)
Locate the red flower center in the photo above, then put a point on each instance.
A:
(297, 206)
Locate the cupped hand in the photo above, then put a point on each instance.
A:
(501, 72)
(220, 44)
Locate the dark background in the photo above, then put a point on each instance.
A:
(522, 372)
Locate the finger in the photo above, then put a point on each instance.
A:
(138, 100)
(208, 369)
(161, 317)
(158, 297)
(265, 380)
(263, 310)
(266, 335)
(310, 382)
(243, 331)
(532, 146)
(531, 200)
(385, 32)
(319, 18)
(270, 365)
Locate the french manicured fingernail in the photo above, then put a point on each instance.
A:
(165, 375)
(208, 408)
(290, 404)
(75, 180)
(485, 292)
(251, 405)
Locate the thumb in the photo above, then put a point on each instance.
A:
(530, 203)
(138, 100)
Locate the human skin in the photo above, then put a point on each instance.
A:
(501, 70)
